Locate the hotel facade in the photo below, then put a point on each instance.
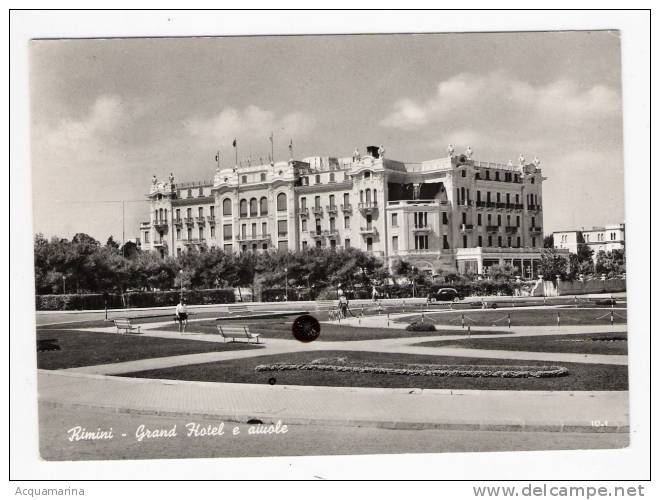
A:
(604, 238)
(452, 214)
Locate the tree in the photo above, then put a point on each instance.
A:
(552, 264)
(549, 241)
(611, 263)
(112, 244)
(501, 273)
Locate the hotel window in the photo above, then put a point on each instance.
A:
(200, 212)
(445, 242)
(146, 236)
(347, 222)
(497, 176)
(533, 222)
(282, 228)
(190, 193)
(178, 235)
(347, 243)
(226, 232)
(367, 174)
(189, 213)
(332, 177)
(489, 218)
(200, 193)
(317, 202)
(318, 226)
(281, 202)
(487, 175)
(254, 230)
(487, 196)
(368, 221)
(370, 244)
(499, 220)
(517, 220)
(303, 203)
(490, 241)
(395, 243)
(499, 241)
(303, 225)
(464, 241)
(518, 242)
(262, 177)
(212, 211)
(533, 241)
(479, 221)
(282, 246)
(243, 208)
(178, 214)
(508, 241)
(264, 229)
(445, 219)
(243, 231)
(229, 248)
(395, 220)
(463, 173)
(332, 224)
(317, 179)
(508, 220)
(190, 233)
(304, 245)
(333, 243)
(478, 196)
(178, 252)
(347, 199)
(332, 201)
(253, 207)
(497, 199)
(421, 242)
(508, 198)
(464, 218)
(367, 195)
(480, 239)
(201, 233)
(212, 231)
(244, 179)
(532, 180)
(226, 206)
(361, 196)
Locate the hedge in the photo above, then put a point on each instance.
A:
(81, 302)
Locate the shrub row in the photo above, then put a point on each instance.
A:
(72, 302)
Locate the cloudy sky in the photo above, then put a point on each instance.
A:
(109, 114)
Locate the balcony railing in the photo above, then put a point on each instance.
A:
(194, 241)
(331, 209)
(189, 220)
(318, 234)
(317, 210)
(347, 208)
(178, 222)
(500, 205)
(367, 231)
(253, 237)
(210, 219)
(465, 203)
(303, 212)
(466, 227)
(422, 228)
(160, 223)
(535, 230)
(200, 220)
(369, 206)
(512, 229)
(492, 229)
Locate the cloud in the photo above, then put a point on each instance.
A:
(251, 123)
(497, 98)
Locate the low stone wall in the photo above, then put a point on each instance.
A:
(592, 286)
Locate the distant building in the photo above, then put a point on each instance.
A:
(611, 237)
(450, 214)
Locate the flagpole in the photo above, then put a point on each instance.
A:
(272, 150)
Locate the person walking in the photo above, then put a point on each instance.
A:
(182, 315)
(343, 306)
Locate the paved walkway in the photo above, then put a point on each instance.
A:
(388, 408)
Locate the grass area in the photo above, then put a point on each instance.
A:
(580, 344)
(281, 329)
(580, 377)
(87, 348)
(153, 317)
(526, 317)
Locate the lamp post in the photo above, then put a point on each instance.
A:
(413, 278)
(64, 285)
(286, 284)
(181, 284)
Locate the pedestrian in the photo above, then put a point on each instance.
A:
(343, 306)
(182, 315)
(374, 294)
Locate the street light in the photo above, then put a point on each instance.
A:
(181, 284)
(413, 278)
(286, 283)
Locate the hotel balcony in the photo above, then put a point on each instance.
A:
(533, 208)
(160, 224)
(331, 209)
(318, 211)
(536, 230)
(465, 203)
(178, 222)
(210, 219)
(368, 207)
(422, 229)
(194, 241)
(189, 220)
(511, 229)
(480, 204)
(500, 204)
(145, 225)
(347, 209)
(159, 244)
(368, 231)
(492, 229)
(465, 228)
(253, 237)
(333, 233)
(303, 212)
(200, 220)
(317, 235)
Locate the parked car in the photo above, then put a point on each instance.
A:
(446, 295)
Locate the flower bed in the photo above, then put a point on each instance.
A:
(343, 365)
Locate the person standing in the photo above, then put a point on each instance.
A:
(182, 315)
(343, 306)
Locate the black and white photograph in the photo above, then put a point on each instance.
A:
(328, 244)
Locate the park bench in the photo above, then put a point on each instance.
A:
(125, 324)
(237, 331)
(237, 308)
(325, 305)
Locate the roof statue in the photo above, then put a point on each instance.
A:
(356, 155)
(510, 164)
(450, 150)
(381, 152)
(521, 160)
(154, 180)
(537, 162)
(468, 153)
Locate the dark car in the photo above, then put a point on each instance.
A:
(446, 295)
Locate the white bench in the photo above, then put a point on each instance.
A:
(324, 305)
(232, 332)
(125, 324)
(237, 308)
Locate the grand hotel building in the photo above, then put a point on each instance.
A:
(449, 214)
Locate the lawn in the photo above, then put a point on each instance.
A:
(580, 377)
(580, 344)
(79, 348)
(526, 317)
(281, 329)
